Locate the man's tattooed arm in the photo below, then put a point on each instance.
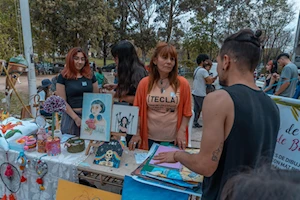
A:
(216, 154)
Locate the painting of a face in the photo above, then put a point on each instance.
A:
(124, 121)
(96, 109)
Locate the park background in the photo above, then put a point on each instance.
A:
(193, 26)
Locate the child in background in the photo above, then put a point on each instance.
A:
(207, 65)
(100, 78)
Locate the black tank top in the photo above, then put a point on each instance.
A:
(274, 85)
(251, 139)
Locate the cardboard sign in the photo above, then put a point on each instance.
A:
(73, 191)
(287, 150)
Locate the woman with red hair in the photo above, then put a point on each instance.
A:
(164, 101)
(270, 82)
(75, 79)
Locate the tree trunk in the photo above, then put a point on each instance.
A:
(170, 21)
(105, 47)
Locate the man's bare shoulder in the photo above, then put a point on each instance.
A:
(218, 98)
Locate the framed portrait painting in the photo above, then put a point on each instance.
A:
(96, 116)
(125, 119)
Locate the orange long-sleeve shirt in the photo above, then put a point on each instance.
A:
(184, 107)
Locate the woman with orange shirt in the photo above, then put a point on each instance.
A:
(164, 101)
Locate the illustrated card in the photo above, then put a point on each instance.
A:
(96, 116)
(109, 153)
(125, 119)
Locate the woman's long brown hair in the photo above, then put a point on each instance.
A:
(163, 49)
(70, 72)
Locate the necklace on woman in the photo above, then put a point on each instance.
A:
(162, 88)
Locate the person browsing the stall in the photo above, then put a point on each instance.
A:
(75, 79)
(130, 71)
(164, 101)
(240, 122)
(43, 94)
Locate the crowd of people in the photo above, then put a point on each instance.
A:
(287, 83)
(240, 121)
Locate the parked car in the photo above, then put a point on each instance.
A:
(109, 67)
(58, 66)
(44, 67)
(184, 71)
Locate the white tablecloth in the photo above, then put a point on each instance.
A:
(63, 166)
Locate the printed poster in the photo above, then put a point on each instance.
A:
(96, 116)
(287, 150)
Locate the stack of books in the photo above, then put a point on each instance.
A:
(172, 176)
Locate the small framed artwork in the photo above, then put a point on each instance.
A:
(96, 116)
(125, 119)
(109, 153)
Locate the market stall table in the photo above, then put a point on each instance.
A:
(89, 171)
(62, 166)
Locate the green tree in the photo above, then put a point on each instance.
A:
(169, 16)
(69, 23)
(10, 30)
(141, 31)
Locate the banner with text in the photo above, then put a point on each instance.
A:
(287, 150)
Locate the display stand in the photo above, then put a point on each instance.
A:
(94, 143)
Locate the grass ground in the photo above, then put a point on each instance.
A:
(99, 62)
(16, 105)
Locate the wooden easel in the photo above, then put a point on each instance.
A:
(94, 143)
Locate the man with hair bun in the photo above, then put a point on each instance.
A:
(240, 122)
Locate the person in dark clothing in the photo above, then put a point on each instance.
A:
(130, 71)
(240, 122)
(271, 82)
(263, 184)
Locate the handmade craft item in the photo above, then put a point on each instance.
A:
(23, 162)
(10, 176)
(11, 129)
(30, 144)
(52, 105)
(19, 144)
(109, 153)
(53, 146)
(16, 66)
(41, 169)
(42, 134)
(75, 145)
